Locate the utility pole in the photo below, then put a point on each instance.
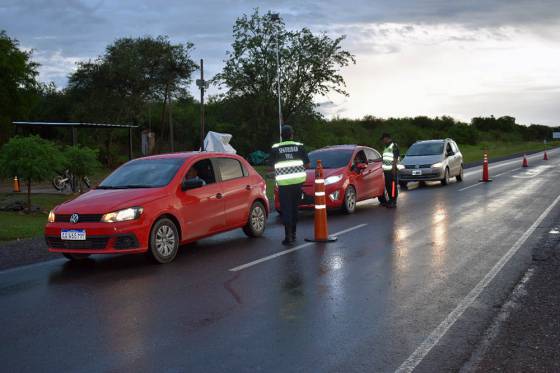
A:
(202, 84)
(171, 138)
(276, 18)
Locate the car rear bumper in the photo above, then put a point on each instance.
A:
(101, 238)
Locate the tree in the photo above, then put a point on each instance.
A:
(18, 84)
(119, 85)
(81, 161)
(30, 158)
(309, 67)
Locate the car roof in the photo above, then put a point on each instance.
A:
(433, 140)
(339, 147)
(186, 155)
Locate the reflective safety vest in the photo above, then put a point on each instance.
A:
(388, 157)
(289, 167)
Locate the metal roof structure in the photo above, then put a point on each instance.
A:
(76, 125)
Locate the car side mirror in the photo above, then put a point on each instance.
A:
(188, 184)
(361, 166)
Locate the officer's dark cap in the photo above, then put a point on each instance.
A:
(287, 130)
(385, 135)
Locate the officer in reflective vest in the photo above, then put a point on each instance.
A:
(391, 155)
(290, 161)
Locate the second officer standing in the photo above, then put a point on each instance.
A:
(290, 161)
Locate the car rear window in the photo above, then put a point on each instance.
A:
(425, 148)
(230, 168)
(331, 158)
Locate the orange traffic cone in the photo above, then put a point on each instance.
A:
(525, 162)
(321, 227)
(485, 176)
(15, 184)
(545, 158)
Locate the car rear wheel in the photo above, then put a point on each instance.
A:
(164, 241)
(349, 205)
(460, 176)
(445, 179)
(75, 257)
(256, 223)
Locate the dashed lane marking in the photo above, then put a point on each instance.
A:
(274, 256)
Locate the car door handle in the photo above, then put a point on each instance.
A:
(248, 187)
(219, 196)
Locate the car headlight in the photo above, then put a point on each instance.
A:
(437, 165)
(333, 179)
(123, 215)
(51, 217)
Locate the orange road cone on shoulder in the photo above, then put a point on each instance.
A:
(321, 227)
(485, 176)
(545, 158)
(525, 161)
(16, 186)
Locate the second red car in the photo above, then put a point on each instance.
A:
(352, 173)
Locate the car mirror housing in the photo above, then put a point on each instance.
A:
(188, 184)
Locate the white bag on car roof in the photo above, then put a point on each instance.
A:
(218, 142)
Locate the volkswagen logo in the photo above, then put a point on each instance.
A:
(74, 218)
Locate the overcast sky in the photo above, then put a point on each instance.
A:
(462, 58)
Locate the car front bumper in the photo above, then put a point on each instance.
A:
(101, 238)
(427, 174)
(334, 194)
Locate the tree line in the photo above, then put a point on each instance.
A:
(144, 81)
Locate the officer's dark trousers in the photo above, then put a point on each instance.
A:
(290, 196)
(389, 187)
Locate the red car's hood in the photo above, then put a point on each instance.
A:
(101, 201)
(326, 172)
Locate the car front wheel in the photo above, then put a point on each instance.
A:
(445, 179)
(256, 222)
(349, 205)
(164, 241)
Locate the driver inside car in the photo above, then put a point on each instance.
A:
(192, 174)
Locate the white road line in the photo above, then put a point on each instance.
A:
(424, 349)
(273, 256)
(471, 186)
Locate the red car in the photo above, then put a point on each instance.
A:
(352, 173)
(152, 205)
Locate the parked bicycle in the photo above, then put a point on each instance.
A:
(66, 180)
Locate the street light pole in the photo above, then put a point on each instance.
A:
(276, 18)
(202, 84)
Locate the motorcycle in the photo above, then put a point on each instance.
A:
(66, 180)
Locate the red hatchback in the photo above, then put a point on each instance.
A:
(152, 205)
(352, 173)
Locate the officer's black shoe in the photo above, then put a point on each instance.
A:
(392, 205)
(289, 239)
(384, 204)
(294, 228)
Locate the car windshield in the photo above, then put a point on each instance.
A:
(143, 173)
(331, 158)
(425, 148)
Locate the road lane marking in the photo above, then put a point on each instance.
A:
(471, 186)
(273, 256)
(433, 339)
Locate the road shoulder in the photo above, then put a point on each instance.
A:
(524, 335)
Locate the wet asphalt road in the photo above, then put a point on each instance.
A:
(364, 303)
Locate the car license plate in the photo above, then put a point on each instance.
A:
(73, 234)
(416, 172)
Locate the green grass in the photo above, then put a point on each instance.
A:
(18, 225)
(473, 153)
(262, 170)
